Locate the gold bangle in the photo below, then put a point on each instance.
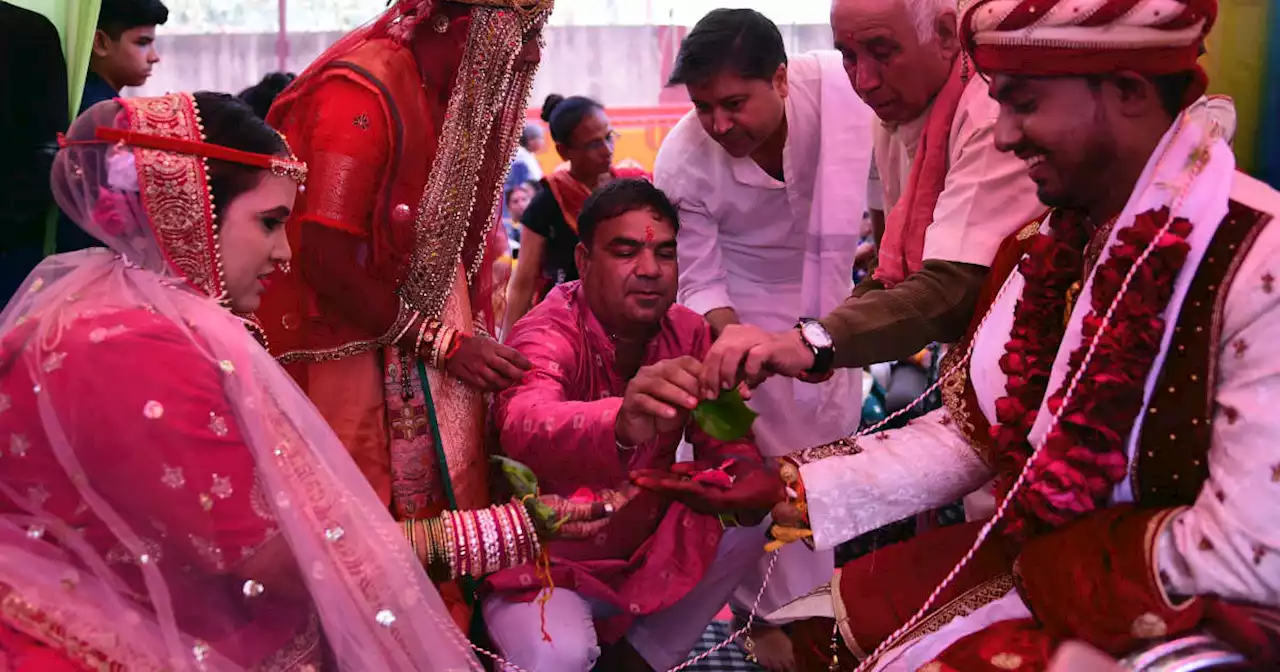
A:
(436, 536)
(443, 341)
(408, 535)
(399, 328)
(424, 329)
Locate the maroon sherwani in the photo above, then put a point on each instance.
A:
(560, 422)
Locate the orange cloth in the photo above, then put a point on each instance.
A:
(572, 195)
(902, 247)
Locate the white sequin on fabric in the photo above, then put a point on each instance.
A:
(221, 487)
(173, 477)
(253, 589)
(217, 425)
(53, 362)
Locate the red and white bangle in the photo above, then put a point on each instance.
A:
(488, 530)
(511, 551)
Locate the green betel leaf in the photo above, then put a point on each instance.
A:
(725, 418)
(523, 482)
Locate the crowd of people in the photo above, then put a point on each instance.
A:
(330, 374)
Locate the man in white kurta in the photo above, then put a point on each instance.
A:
(769, 249)
(935, 129)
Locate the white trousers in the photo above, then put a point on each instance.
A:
(664, 638)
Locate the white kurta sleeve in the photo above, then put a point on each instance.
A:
(898, 473)
(987, 195)
(1228, 543)
(703, 284)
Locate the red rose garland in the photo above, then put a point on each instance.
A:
(1084, 456)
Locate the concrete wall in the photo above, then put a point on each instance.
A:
(623, 66)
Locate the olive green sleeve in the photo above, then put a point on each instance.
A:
(876, 324)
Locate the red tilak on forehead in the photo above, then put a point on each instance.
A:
(648, 234)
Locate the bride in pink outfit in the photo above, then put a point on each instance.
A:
(169, 499)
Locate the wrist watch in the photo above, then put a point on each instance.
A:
(819, 342)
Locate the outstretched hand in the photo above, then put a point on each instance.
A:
(754, 491)
(745, 353)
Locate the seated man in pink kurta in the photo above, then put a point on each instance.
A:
(615, 376)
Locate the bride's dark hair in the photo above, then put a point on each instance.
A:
(230, 122)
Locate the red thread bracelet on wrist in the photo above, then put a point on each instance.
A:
(454, 346)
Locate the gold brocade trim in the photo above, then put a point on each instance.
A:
(526, 5)
(328, 354)
(955, 380)
(175, 190)
(311, 498)
(303, 650)
(970, 601)
(846, 446)
(1031, 229)
(842, 618)
(105, 653)
(404, 316)
(1152, 537)
(483, 122)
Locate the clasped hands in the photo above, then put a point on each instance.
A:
(660, 398)
(743, 354)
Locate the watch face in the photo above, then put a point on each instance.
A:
(816, 335)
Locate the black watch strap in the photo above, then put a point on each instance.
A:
(823, 357)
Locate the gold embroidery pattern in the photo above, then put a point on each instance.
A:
(175, 190)
(259, 503)
(483, 123)
(311, 498)
(969, 602)
(842, 618)
(845, 446)
(328, 354)
(303, 650)
(64, 630)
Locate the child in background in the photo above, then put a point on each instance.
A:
(124, 52)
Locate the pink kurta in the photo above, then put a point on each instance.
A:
(560, 422)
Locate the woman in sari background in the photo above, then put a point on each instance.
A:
(584, 138)
(169, 499)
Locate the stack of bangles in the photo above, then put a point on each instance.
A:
(474, 543)
(440, 341)
(782, 535)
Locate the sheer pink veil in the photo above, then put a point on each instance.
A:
(95, 580)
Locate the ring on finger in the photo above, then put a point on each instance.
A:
(608, 509)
